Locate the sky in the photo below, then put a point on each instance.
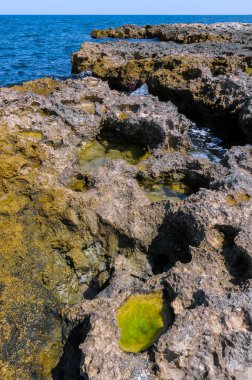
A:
(126, 7)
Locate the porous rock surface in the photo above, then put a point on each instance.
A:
(209, 79)
(181, 33)
(200, 256)
(204, 246)
(61, 227)
(75, 244)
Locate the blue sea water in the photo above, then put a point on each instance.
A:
(36, 46)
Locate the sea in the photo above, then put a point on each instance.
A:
(32, 47)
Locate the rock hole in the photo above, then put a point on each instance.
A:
(191, 73)
(92, 290)
(199, 298)
(172, 244)
(79, 183)
(126, 128)
(164, 189)
(129, 107)
(97, 153)
(172, 186)
(237, 261)
(69, 224)
(152, 358)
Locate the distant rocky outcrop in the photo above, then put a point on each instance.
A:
(181, 33)
(206, 79)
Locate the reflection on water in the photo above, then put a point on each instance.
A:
(97, 153)
(164, 190)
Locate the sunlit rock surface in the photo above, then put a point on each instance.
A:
(181, 33)
(103, 196)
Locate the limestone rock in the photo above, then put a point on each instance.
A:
(206, 78)
(181, 33)
(78, 240)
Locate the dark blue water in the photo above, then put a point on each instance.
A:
(35, 46)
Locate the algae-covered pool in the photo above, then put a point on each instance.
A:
(164, 190)
(142, 319)
(98, 152)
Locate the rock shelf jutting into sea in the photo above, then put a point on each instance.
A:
(126, 209)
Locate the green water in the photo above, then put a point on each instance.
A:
(166, 190)
(97, 153)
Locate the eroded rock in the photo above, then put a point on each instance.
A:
(181, 33)
(60, 226)
(202, 260)
(206, 80)
(90, 236)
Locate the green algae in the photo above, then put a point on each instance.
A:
(123, 116)
(12, 204)
(97, 153)
(164, 190)
(35, 273)
(43, 86)
(32, 134)
(78, 259)
(142, 320)
(78, 185)
(249, 71)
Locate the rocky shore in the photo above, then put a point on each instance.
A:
(101, 199)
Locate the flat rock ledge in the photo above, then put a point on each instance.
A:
(181, 33)
(208, 80)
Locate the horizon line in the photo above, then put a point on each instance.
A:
(120, 14)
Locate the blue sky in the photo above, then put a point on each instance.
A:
(126, 7)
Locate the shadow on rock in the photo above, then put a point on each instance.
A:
(69, 364)
(172, 244)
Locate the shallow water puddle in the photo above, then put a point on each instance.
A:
(166, 190)
(97, 153)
